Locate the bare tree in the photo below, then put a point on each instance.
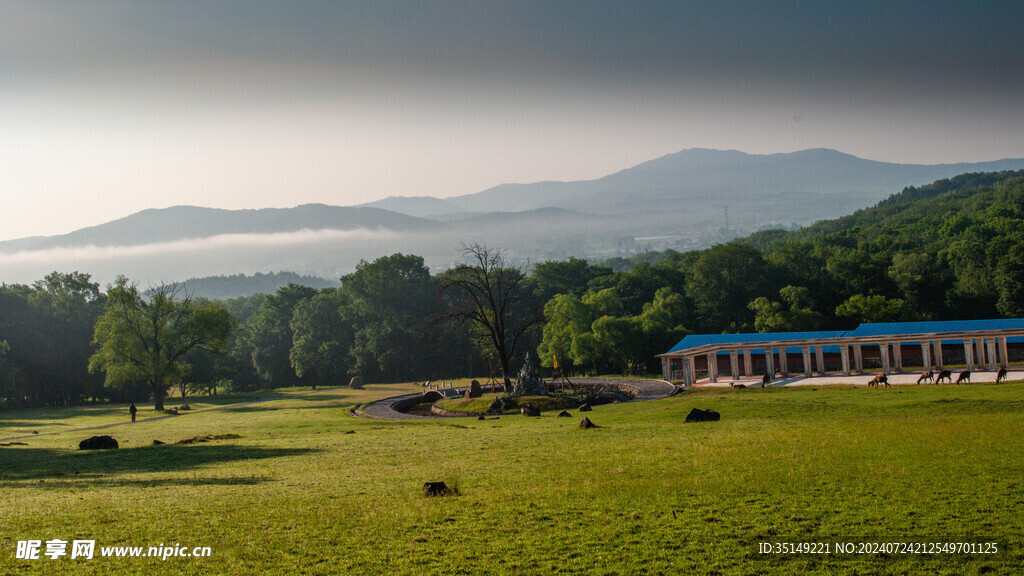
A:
(489, 294)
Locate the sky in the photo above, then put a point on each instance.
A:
(111, 107)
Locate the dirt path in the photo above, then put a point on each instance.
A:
(155, 418)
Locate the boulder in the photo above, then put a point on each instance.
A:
(564, 414)
(585, 408)
(697, 415)
(356, 383)
(529, 410)
(586, 423)
(474, 390)
(184, 407)
(98, 443)
(436, 489)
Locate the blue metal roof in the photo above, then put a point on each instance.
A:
(696, 340)
(896, 328)
(870, 330)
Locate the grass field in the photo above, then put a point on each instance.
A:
(310, 489)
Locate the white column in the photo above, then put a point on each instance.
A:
(769, 362)
(858, 358)
(665, 371)
(783, 361)
(819, 352)
(691, 371)
(937, 346)
(979, 354)
(712, 367)
(1004, 360)
(748, 363)
(991, 354)
(883, 350)
(806, 350)
(734, 364)
(844, 354)
(897, 353)
(969, 354)
(926, 359)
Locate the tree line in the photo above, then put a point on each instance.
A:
(950, 250)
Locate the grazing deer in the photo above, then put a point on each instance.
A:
(736, 386)
(880, 379)
(945, 374)
(1001, 375)
(965, 375)
(926, 376)
(765, 380)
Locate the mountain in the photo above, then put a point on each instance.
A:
(224, 287)
(699, 175)
(419, 206)
(191, 222)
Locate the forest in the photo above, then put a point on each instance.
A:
(950, 250)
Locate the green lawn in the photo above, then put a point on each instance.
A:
(310, 489)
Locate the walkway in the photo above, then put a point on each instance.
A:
(649, 390)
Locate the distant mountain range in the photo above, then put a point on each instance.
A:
(686, 200)
(676, 180)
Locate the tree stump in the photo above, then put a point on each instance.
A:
(436, 489)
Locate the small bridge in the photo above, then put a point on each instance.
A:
(442, 393)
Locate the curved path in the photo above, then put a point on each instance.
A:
(649, 390)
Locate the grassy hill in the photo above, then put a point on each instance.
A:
(310, 489)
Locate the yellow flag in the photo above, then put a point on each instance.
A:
(554, 360)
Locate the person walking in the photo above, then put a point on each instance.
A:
(132, 410)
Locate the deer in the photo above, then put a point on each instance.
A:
(736, 386)
(926, 376)
(944, 374)
(965, 375)
(1001, 375)
(765, 380)
(880, 379)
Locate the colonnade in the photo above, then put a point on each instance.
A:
(980, 353)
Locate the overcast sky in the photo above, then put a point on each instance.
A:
(111, 107)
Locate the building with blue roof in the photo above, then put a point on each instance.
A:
(979, 344)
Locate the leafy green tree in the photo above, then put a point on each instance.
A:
(321, 339)
(1009, 282)
(875, 308)
(390, 303)
(270, 335)
(571, 276)
(147, 337)
(798, 316)
(568, 319)
(724, 280)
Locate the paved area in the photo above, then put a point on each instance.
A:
(902, 378)
(649, 390)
